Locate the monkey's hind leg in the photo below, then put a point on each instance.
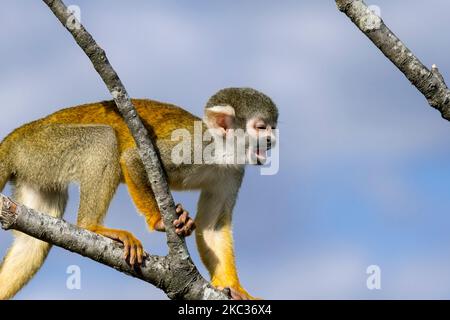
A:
(98, 184)
(27, 254)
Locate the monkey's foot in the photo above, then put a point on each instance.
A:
(238, 293)
(132, 251)
(184, 225)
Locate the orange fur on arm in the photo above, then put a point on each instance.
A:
(142, 196)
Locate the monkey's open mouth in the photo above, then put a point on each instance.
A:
(261, 156)
(262, 147)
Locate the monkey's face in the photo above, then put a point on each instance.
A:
(261, 137)
(245, 119)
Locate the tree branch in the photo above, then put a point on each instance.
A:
(175, 274)
(146, 149)
(178, 279)
(429, 82)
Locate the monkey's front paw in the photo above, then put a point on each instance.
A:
(184, 224)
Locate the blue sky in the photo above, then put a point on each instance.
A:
(364, 173)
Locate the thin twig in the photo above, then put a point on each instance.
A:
(429, 82)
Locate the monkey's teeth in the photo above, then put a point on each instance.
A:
(260, 154)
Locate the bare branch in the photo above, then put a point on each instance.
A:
(146, 149)
(177, 278)
(429, 82)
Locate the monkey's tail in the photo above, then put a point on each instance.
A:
(27, 254)
(23, 260)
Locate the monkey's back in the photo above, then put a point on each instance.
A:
(159, 118)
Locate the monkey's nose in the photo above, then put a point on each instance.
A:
(269, 143)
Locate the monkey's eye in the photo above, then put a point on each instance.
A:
(261, 127)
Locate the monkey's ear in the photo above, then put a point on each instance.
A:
(220, 118)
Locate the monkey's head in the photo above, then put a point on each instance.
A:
(246, 109)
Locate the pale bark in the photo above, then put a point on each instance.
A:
(175, 274)
(123, 102)
(178, 279)
(429, 82)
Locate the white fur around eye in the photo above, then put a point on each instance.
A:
(251, 126)
(259, 124)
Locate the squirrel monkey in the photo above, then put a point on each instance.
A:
(91, 146)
